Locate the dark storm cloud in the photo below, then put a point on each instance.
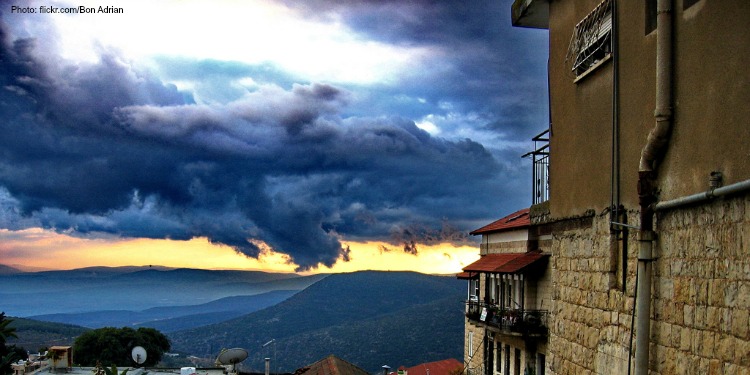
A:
(486, 66)
(107, 148)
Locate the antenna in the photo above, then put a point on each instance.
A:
(231, 357)
(139, 355)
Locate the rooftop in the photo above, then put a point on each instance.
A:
(517, 220)
(503, 263)
(444, 367)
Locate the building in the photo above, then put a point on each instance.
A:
(646, 182)
(62, 358)
(508, 299)
(331, 365)
(445, 367)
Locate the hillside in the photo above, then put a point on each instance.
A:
(372, 317)
(8, 270)
(34, 334)
(173, 318)
(419, 334)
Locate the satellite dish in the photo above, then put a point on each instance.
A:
(139, 355)
(231, 357)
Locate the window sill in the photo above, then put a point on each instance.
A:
(593, 68)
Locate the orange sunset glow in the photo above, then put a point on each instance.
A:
(48, 250)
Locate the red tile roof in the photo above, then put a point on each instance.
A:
(331, 365)
(490, 262)
(516, 220)
(444, 367)
(521, 262)
(505, 263)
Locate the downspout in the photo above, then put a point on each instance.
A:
(657, 141)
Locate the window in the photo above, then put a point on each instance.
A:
(540, 364)
(517, 362)
(489, 356)
(499, 358)
(471, 344)
(650, 16)
(507, 359)
(591, 44)
(474, 289)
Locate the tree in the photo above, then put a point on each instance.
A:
(112, 346)
(8, 354)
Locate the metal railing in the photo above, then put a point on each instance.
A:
(540, 171)
(514, 321)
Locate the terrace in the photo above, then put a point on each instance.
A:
(511, 322)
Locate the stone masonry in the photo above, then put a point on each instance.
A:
(700, 293)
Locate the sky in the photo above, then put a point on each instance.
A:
(307, 136)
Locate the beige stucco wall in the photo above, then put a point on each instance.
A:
(712, 115)
(711, 131)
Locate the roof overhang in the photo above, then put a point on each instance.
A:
(506, 263)
(467, 275)
(530, 13)
(517, 220)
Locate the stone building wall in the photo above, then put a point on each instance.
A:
(473, 348)
(701, 293)
(591, 317)
(702, 290)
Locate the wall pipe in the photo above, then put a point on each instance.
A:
(705, 196)
(656, 144)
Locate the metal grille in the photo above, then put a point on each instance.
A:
(540, 161)
(592, 39)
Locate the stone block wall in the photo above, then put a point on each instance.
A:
(473, 348)
(701, 294)
(591, 316)
(701, 306)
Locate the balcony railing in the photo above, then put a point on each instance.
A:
(521, 322)
(540, 171)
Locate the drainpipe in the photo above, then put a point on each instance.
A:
(657, 141)
(712, 193)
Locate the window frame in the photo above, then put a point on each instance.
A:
(591, 44)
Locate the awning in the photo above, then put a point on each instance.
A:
(505, 263)
(518, 264)
(489, 262)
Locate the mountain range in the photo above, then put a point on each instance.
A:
(368, 318)
(133, 289)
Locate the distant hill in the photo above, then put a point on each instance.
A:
(8, 270)
(33, 334)
(172, 318)
(418, 334)
(133, 288)
(369, 318)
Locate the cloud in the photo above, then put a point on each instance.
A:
(480, 66)
(107, 147)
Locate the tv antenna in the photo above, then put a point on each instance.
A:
(231, 357)
(139, 355)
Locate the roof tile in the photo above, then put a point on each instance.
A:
(516, 220)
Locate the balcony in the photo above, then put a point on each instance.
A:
(512, 322)
(540, 160)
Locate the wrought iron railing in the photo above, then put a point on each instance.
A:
(515, 321)
(540, 172)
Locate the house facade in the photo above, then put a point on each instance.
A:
(648, 181)
(508, 300)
